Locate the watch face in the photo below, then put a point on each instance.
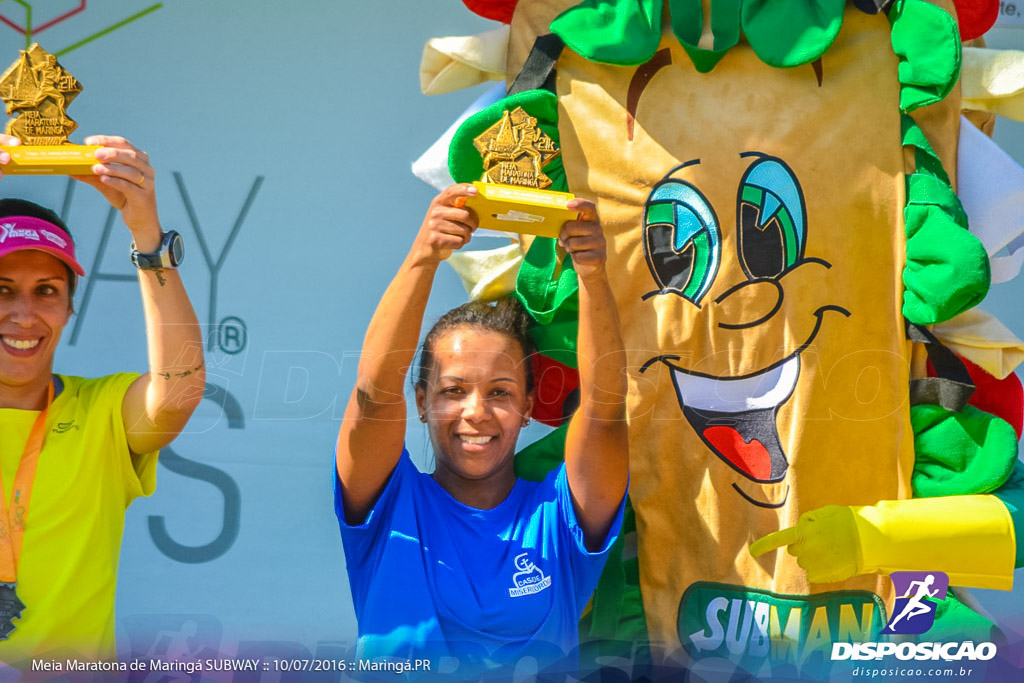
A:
(177, 249)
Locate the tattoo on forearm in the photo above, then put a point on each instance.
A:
(186, 373)
(160, 276)
(183, 374)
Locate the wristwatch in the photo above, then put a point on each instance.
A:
(169, 255)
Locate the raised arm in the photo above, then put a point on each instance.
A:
(597, 444)
(156, 406)
(373, 431)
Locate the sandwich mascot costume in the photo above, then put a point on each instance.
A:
(803, 210)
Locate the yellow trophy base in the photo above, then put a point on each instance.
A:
(50, 160)
(521, 209)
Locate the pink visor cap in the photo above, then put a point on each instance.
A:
(26, 232)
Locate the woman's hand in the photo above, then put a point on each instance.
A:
(125, 178)
(583, 239)
(5, 158)
(447, 226)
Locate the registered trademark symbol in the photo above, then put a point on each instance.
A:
(232, 335)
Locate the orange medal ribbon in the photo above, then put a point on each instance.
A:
(13, 513)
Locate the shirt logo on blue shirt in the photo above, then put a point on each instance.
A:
(529, 579)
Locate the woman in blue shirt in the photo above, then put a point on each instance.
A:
(469, 561)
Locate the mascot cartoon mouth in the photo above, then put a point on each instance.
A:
(735, 416)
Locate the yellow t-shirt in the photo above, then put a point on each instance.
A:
(85, 479)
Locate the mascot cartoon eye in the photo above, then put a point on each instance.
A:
(681, 240)
(771, 219)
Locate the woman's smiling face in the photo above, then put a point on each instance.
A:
(35, 305)
(475, 402)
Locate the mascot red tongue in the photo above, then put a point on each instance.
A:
(775, 183)
(752, 458)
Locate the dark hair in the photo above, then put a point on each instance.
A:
(23, 207)
(506, 316)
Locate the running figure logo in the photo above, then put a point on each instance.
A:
(918, 595)
(529, 579)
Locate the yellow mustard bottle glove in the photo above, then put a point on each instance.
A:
(970, 538)
(825, 543)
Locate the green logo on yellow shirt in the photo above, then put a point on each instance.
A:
(65, 427)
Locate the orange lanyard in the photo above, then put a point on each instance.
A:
(13, 513)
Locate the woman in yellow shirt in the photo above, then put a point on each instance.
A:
(74, 452)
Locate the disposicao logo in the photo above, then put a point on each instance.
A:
(918, 594)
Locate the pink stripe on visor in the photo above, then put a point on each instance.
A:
(26, 232)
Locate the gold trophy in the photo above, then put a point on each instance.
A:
(38, 90)
(512, 195)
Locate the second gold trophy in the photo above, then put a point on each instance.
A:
(512, 193)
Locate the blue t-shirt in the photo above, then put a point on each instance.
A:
(431, 577)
